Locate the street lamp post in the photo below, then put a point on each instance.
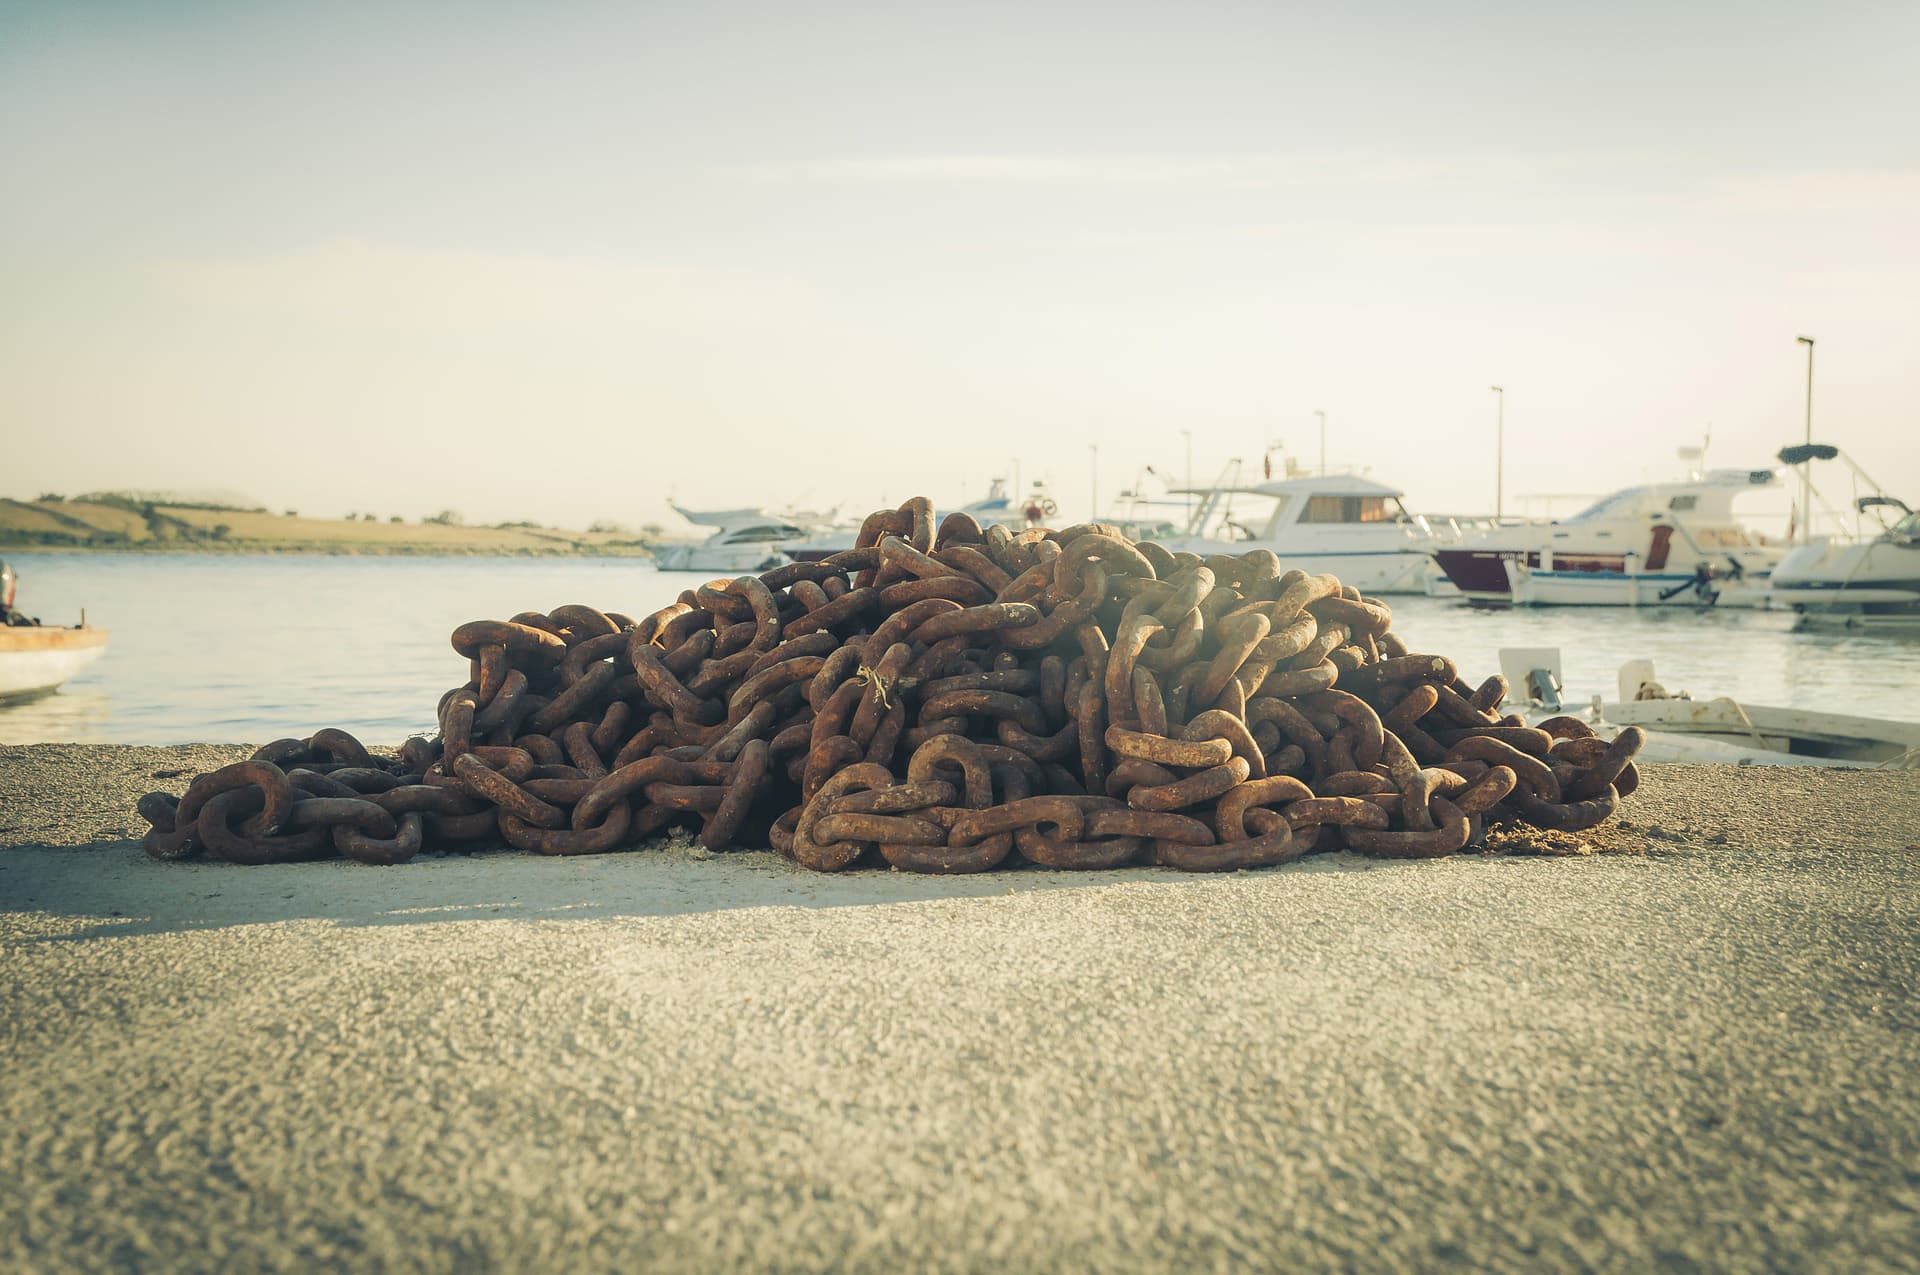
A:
(1499, 452)
(1323, 442)
(1806, 466)
(1095, 449)
(1188, 435)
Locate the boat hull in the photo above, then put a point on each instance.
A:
(1792, 735)
(1876, 582)
(1532, 587)
(37, 660)
(719, 559)
(1372, 571)
(1514, 578)
(815, 550)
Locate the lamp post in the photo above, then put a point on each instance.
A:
(1499, 452)
(1188, 435)
(1323, 442)
(1095, 471)
(1806, 466)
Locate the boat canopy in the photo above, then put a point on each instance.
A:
(1322, 500)
(1711, 494)
(1801, 453)
(1318, 485)
(743, 524)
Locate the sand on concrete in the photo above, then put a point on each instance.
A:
(1695, 1050)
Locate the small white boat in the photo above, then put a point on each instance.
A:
(744, 540)
(1663, 544)
(37, 659)
(1342, 523)
(1756, 733)
(1724, 730)
(1869, 578)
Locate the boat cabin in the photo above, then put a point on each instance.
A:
(742, 526)
(1266, 511)
(1699, 510)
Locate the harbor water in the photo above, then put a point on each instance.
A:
(246, 648)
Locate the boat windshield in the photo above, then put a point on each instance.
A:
(1351, 509)
(1908, 528)
(1608, 507)
(773, 532)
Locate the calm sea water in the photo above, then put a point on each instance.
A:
(247, 649)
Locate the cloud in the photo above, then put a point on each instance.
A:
(1836, 190)
(1208, 172)
(1614, 183)
(357, 283)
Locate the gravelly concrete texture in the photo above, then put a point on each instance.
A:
(1696, 1051)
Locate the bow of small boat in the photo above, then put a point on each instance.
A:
(1799, 736)
(36, 659)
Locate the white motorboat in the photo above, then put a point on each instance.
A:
(1663, 544)
(1871, 577)
(1342, 523)
(1853, 582)
(1723, 730)
(1757, 734)
(37, 659)
(744, 540)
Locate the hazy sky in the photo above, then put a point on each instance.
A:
(557, 262)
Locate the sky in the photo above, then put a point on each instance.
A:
(564, 263)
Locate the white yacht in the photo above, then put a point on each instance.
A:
(1343, 523)
(1672, 544)
(744, 540)
(1870, 577)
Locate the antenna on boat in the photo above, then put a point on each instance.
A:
(1188, 435)
(1695, 457)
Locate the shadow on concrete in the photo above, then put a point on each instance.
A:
(112, 888)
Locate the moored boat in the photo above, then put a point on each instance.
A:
(35, 658)
(1722, 730)
(1339, 523)
(1759, 733)
(743, 540)
(1871, 577)
(1662, 544)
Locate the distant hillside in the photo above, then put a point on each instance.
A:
(122, 521)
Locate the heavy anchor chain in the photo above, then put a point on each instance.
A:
(938, 699)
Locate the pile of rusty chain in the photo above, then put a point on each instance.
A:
(943, 700)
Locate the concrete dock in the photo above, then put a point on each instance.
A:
(1694, 1049)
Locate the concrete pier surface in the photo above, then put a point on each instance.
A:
(1697, 1049)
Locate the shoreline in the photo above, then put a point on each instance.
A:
(119, 523)
(1696, 1049)
(267, 550)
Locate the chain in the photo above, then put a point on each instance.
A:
(941, 700)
